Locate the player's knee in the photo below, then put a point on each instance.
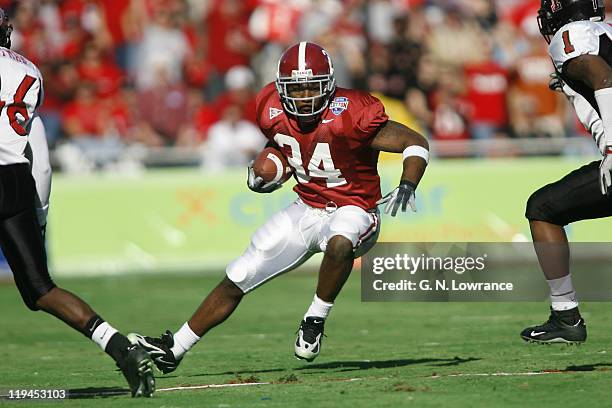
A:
(240, 272)
(541, 207)
(35, 298)
(230, 288)
(31, 303)
(339, 248)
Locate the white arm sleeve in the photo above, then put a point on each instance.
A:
(587, 116)
(604, 101)
(41, 168)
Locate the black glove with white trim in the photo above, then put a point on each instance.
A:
(403, 196)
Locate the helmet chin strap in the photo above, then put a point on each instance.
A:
(308, 122)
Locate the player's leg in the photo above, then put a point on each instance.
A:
(22, 244)
(335, 268)
(168, 350)
(276, 247)
(349, 233)
(573, 198)
(216, 307)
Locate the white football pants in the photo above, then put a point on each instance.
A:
(294, 234)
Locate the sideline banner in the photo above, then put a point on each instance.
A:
(174, 220)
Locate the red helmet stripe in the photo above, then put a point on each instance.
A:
(302, 57)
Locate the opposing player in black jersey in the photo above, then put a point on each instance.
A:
(580, 45)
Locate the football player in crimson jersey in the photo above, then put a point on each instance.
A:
(331, 138)
(580, 45)
(25, 182)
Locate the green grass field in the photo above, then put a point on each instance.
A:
(375, 355)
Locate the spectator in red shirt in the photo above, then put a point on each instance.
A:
(102, 73)
(61, 81)
(85, 116)
(164, 110)
(229, 41)
(115, 13)
(487, 86)
(89, 127)
(239, 82)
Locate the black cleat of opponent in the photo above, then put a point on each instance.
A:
(137, 369)
(159, 350)
(309, 338)
(566, 327)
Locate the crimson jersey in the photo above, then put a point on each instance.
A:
(335, 162)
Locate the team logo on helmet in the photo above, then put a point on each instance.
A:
(339, 105)
(556, 6)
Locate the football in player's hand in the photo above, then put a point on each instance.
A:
(272, 166)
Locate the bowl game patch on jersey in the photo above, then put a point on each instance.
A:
(339, 105)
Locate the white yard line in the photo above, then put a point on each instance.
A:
(200, 387)
(499, 374)
(187, 387)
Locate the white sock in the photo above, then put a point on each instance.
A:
(318, 308)
(184, 340)
(103, 334)
(562, 294)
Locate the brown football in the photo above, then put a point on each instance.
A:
(271, 165)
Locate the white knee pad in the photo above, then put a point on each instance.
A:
(356, 225)
(275, 247)
(241, 269)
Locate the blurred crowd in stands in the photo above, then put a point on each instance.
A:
(185, 73)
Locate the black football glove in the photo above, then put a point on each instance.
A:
(256, 183)
(556, 83)
(605, 175)
(402, 195)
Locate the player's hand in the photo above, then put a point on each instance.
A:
(402, 196)
(256, 183)
(605, 178)
(556, 83)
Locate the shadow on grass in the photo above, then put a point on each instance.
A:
(588, 367)
(96, 392)
(343, 366)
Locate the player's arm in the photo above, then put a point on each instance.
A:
(394, 137)
(589, 118)
(595, 72)
(41, 168)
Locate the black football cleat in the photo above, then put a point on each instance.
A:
(566, 327)
(309, 339)
(159, 350)
(137, 369)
